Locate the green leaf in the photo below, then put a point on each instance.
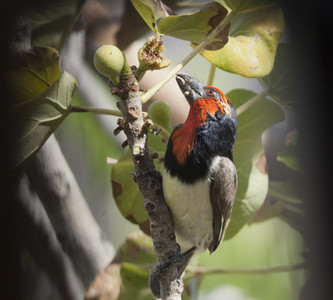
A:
(138, 248)
(242, 6)
(196, 25)
(136, 254)
(52, 21)
(37, 118)
(127, 276)
(135, 282)
(280, 80)
(151, 11)
(126, 192)
(252, 43)
(249, 158)
(36, 71)
(160, 114)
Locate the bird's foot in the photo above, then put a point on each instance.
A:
(180, 260)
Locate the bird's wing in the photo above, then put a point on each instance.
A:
(223, 189)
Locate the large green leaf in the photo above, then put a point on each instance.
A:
(249, 158)
(196, 25)
(36, 119)
(252, 43)
(35, 71)
(280, 81)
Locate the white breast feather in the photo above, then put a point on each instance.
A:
(191, 211)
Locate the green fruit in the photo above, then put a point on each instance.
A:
(160, 114)
(109, 61)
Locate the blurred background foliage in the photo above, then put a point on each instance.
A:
(272, 235)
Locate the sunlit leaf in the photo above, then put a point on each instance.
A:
(151, 11)
(280, 81)
(252, 43)
(249, 158)
(196, 25)
(36, 119)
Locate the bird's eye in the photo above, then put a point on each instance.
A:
(211, 92)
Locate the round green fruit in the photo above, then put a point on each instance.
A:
(109, 61)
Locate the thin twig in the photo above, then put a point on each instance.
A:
(261, 270)
(95, 110)
(251, 102)
(188, 58)
(211, 74)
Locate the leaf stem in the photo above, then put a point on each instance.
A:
(252, 101)
(262, 270)
(188, 58)
(95, 110)
(211, 74)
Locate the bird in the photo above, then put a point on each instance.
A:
(199, 177)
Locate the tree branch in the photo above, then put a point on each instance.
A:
(69, 213)
(169, 284)
(39, 237)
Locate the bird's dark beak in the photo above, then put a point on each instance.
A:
(191, 87)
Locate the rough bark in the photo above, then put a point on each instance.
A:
(166, 284)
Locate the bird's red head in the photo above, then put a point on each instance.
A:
(205, 102)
